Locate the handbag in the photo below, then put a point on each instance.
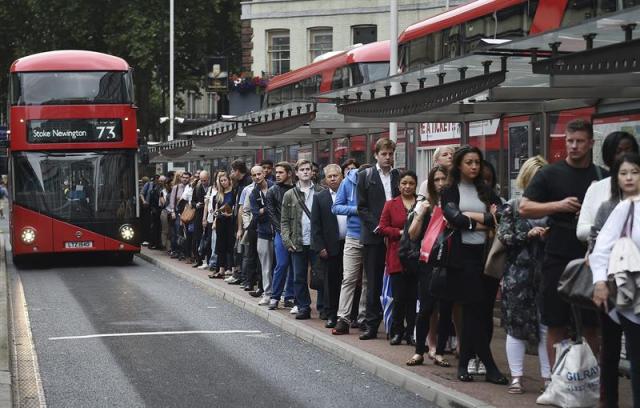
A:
(408, 249)
(436, 227)
(625, 256)
(319, 271)
(497, 257)
(575, 379)
(575, 285)
(187, 214)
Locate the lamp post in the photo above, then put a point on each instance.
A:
(171, 68)
(393, 60)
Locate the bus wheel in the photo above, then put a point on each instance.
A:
(123, 258)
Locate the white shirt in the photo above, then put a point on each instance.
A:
(187, 193)
(596, 194)
(386, 182)
(610, 233)
(306, 222)
(342, 219)
(211, 196)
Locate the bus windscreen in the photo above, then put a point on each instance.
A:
(76, 186)
(71, 88)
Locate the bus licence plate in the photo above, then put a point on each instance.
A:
(78, 244)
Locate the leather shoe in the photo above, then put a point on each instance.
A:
(396, 340)
(303, 315)
(331, 323)
(255, 293)
(368, 334)
(341, 328)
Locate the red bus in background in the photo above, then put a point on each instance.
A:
(72, 155)
(361, 64)
(462, 30)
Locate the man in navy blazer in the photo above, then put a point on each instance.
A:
(376, 186)
(328, 233)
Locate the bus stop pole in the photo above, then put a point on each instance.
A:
(393, 60)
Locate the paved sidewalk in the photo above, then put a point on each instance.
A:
(433, 383)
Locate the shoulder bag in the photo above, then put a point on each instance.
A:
(497, 257)
(188, 214)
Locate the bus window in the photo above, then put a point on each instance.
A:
(274, 98)
(296, 91)
(340, 78)
(287, 92)
(368, 71)
(69, 88)
(578, 11)
(418, 52)
(311, 86)
(476, 30)
(512, 22)
(451, 42)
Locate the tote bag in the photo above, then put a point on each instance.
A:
(436, 227)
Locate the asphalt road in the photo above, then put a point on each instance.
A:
(264, 367)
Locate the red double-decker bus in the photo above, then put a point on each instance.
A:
(358, 65)
(72, 155)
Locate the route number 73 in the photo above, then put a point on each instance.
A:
(106, 132)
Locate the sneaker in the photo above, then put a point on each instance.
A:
(229, 278)
(264, 301)
(289, 303)
(472, 368)
(273, 304)
(144, 243)
(482, 370)
(232, 281)
(294, 310)
(203, 266)
(228, 272)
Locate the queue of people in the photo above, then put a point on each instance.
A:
(281, 230)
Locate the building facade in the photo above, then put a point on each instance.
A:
(283, 35)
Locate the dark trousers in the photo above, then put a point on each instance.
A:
(154, 227)
(474, 340)
(333, 283)
(428, 305)
(145, 222)
(632, 343)
(609, 360)
(404, 287)
(197, 235)
(374, 258)
(251, 271)
(490, 286)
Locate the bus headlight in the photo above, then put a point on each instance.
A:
(28, 235)
(126, 232)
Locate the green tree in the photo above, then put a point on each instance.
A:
(136, 31)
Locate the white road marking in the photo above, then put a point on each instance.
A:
(161, 333)
(212, 307)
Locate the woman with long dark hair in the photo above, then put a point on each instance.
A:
(224, 225)
(625, 187)
(436, 182)
(469, 207)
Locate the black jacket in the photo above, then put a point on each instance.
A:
(199, 193)
(371, 200)
(325, 232)
(450, 201)
(274, 203)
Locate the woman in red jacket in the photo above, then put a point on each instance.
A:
(403, 284)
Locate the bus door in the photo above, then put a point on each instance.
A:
(520, 148)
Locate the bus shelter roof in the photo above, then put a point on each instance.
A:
(583, 65)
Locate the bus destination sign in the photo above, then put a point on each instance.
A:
(74, 130)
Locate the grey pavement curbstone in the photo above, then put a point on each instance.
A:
(6, 396)
(431, 391)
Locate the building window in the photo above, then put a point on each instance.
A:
(278, 51)
(320, 41)
(364, 34)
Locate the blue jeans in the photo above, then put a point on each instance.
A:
(176, 231)
(282, 271)
(300, 261)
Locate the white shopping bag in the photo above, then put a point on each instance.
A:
(575, 381)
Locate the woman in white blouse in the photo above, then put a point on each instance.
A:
(614, 145)
(629, 180)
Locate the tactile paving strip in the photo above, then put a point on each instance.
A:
(27, 386)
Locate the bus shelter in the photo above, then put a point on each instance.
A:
(510, 98)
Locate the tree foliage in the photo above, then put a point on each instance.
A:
(137, 31)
